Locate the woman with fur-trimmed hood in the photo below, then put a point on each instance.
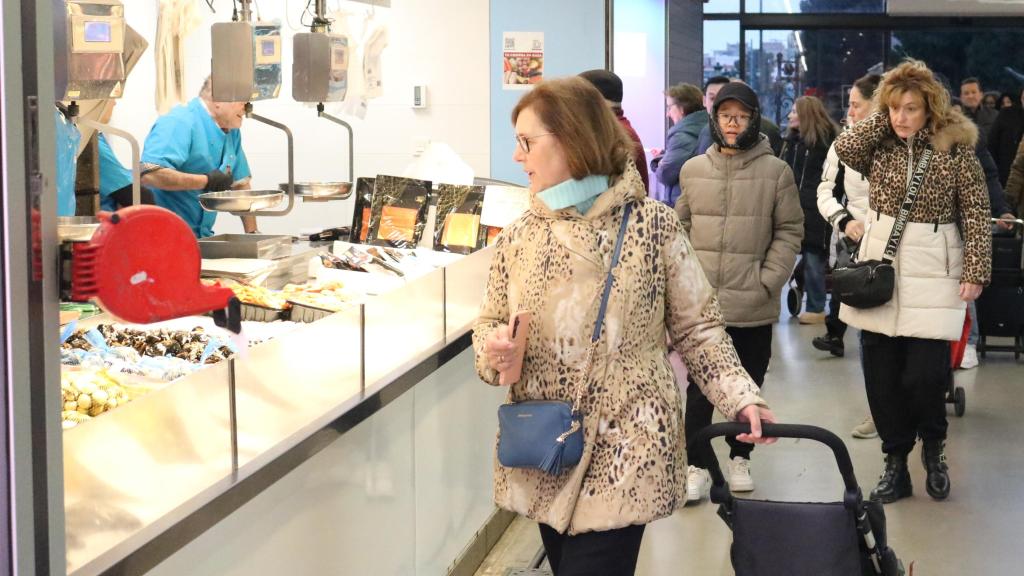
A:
(942, 263)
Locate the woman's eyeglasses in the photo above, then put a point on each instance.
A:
(524, 141)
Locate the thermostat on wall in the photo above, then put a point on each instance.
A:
(419, 96)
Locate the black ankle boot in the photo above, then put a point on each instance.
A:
(933, 456)
(831, 344)
(895, 481)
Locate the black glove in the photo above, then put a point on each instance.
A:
(217, 181)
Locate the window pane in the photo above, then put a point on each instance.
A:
(721, 48)
(993, 55)
(722, 7)
(782, 65)
(815, 6)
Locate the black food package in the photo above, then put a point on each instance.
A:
(361, 213)
(457, 227)
(398, 214)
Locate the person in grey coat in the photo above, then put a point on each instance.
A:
(684, 105)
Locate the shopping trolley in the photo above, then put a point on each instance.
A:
(801, 538)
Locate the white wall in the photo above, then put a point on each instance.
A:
(440, 43)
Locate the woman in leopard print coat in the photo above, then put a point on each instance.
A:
(553, 262)
(942, 262)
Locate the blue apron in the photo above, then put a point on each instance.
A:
(113, 175)
(68, 137)
(188, 140)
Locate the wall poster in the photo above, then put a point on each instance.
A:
(523, 60)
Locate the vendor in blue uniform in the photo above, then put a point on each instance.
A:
(194, 149)
(115, 179)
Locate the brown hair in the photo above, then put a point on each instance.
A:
(816, 126)
(594, 141)
(688, 97)
(914, 76)
(867, 85)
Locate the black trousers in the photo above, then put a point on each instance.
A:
(833, 325)
(906, 380)
(754, 347)
(605, 553)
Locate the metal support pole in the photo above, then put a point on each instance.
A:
(291, 164)
(351, 140)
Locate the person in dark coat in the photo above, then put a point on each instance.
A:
(1006, 135)
(805, 149)
(971, 95)
(609, 85)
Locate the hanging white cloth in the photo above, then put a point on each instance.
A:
(177, 19)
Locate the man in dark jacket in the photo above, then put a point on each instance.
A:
(971, 95)
(684, 104)
(609, 85)
(1006, 135)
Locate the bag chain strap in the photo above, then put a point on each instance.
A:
(900, 226)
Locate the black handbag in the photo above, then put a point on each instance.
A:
(871, 283)
(548, 434)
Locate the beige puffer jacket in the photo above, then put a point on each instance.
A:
(554, 264)
(744, 219)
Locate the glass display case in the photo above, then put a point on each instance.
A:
(134, 473)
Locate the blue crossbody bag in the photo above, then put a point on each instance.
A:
(548, 434)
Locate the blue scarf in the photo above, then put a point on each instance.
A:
(578, 193)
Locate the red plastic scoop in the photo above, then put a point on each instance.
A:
(142, 265)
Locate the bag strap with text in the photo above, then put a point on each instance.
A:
(913, 187)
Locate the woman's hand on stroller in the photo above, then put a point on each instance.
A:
(755, 415)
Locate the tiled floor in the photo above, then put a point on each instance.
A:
(976, 531)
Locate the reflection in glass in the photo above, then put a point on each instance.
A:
(992, 55)
(785, 64)
(815, 6)
(721, 48)
(722, 7)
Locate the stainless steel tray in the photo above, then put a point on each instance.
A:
(240, 200)
(261, 246)
(320, 191)
(76, 228)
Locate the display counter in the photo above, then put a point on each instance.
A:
(148, 478)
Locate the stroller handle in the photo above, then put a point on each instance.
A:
(701, 443)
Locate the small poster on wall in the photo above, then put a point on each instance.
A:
(523, 55)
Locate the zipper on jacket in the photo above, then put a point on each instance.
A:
(725, 217)
(910, 159)
(803, 169)
(945, 252)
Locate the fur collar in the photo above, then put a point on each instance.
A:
(960, 130)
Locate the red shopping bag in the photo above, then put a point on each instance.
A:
(957, 348)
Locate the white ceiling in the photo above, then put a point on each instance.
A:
(956, 7)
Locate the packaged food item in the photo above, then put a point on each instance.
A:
(330, 296)
(399, 211)
(457, 228)
(492, 234)
(361, 214)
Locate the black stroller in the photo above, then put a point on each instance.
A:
(796, 538)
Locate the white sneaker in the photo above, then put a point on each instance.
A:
(698, 483)
(970, 357)
(865, 429)
(739, 475)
